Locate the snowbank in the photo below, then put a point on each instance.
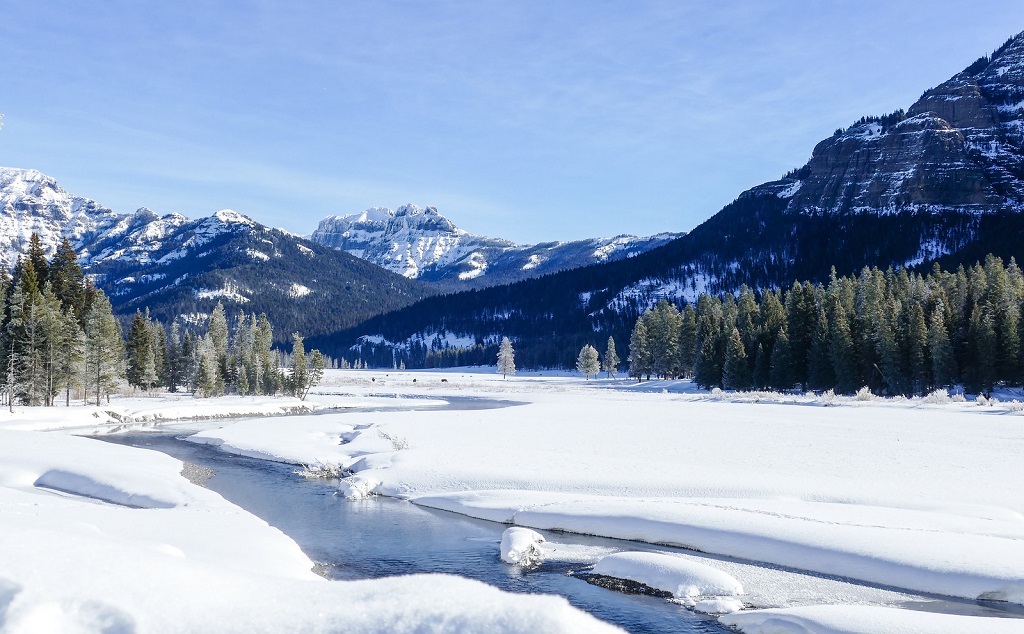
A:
(101, 537)
(682, 578)
(861, 619)
(521, 547)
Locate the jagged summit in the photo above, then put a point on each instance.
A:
(419, 242)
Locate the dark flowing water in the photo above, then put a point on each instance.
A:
(382, 536)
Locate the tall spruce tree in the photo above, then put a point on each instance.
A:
(611, 359)
(587, 362)
(736, 372)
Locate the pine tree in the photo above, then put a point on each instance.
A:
(917, 344)
(587, 362)
(941, 351)
(687, 341)
(218, 333)
(140, 354)
(67, 280)
(781, 371)
(820, 374)
(611, 359)
(299, 379)
(736, 372)
(37, 256)
(639, 351)
(842, 353)
(710, 354)
(506, 358)
(104, 349)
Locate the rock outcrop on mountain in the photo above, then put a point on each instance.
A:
(941, 182)
(421, 243)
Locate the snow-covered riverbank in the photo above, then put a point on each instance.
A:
(908, 493)
(104, 538)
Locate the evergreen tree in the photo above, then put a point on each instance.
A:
(943, 364)
(37, 257)
(587, 362)
(710, 355)
(820, 374)
(140, 353)
(687, 341)
(298, 381)
(67, 280)
(639, 351)
(103, 348)
(736, 373)
(917, 345)
(781, 372)
(842, 351)
(506, 358)
(218, 333)
(611, 359)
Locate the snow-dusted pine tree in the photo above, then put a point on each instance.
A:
(611, 359)
(587, 362)
(506, 358)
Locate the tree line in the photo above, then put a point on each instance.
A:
(59, 336)
(894, 331)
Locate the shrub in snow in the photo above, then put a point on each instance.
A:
(318, 469)
(356, 488)
(981, 400)
(1015, 406)
(828, 398)
(717, 392)
(864, 394)
(397, 442)
(521, 547)
(958, 398)
(936, 397)
(680, 577)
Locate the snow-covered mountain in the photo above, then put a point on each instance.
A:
(419, 242)
(32, 202)
(179, 267)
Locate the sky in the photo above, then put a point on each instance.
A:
(531, 121)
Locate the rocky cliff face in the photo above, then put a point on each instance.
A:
(959, 147)
(420, 243)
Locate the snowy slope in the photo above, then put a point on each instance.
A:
(421, 243)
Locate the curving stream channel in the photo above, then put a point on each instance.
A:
(382, 536)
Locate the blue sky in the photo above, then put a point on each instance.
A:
(532, 121)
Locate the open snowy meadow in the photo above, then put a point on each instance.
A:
(799, 513)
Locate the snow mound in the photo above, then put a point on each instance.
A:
(357, 488)
(862, 619)
(521, 546)
(681, 577)
(80, 484)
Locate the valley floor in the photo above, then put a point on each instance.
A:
(917, 495)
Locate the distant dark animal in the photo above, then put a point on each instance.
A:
(414, 380)
(444, 380)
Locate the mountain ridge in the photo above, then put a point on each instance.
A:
(421, 243)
